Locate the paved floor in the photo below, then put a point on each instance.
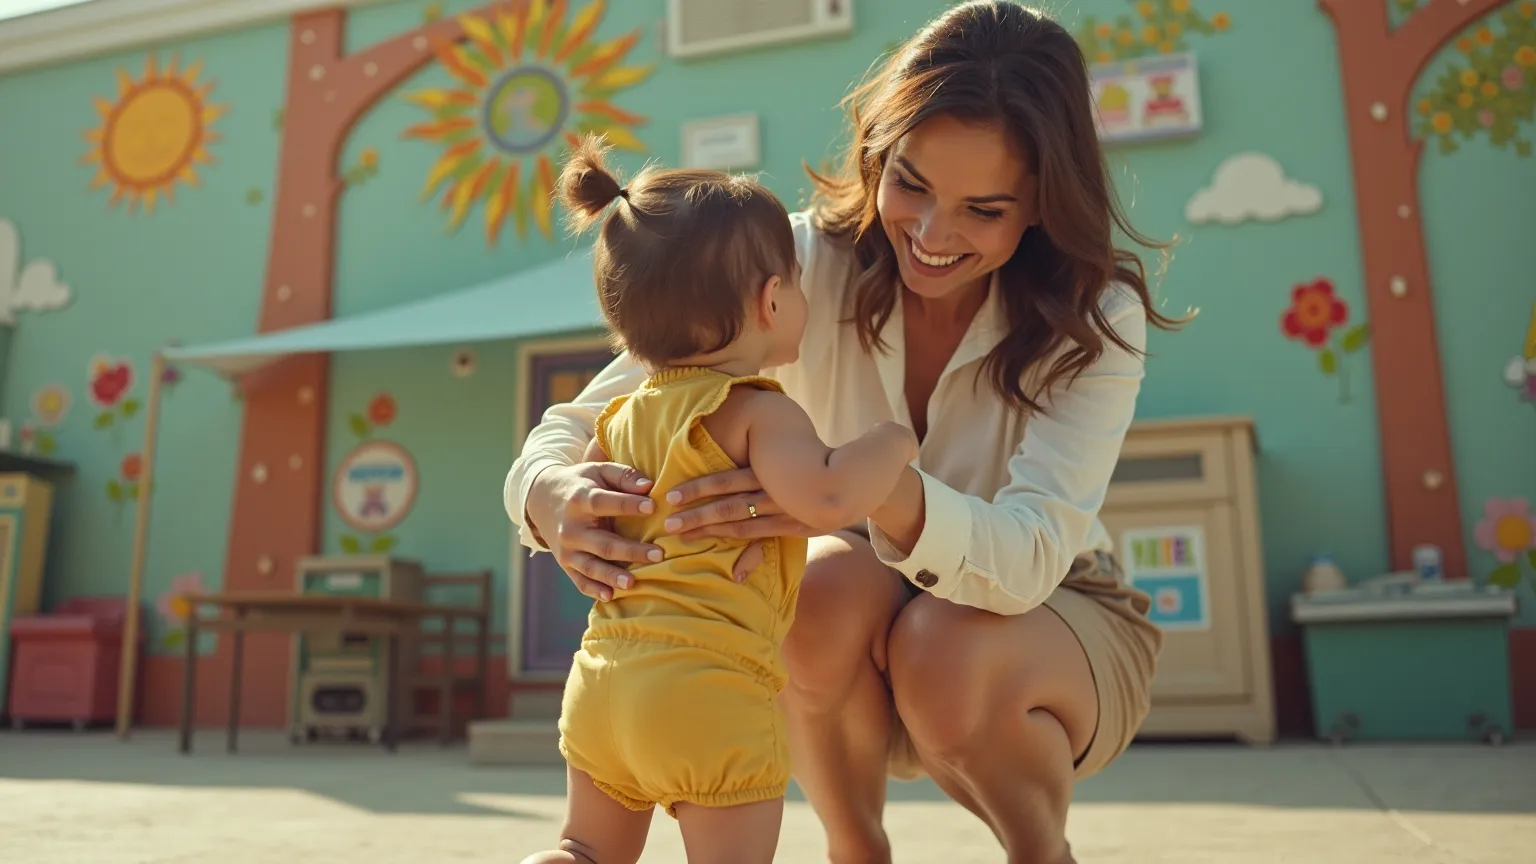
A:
(87, 799)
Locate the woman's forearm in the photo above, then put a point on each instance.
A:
(902, 516)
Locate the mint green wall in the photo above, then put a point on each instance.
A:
(193, 271)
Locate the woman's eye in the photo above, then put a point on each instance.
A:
(902, 184)
(983, 213)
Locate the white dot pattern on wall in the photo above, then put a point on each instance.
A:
(283, 293)
(264, 565)
(370, 69)
(259, 472)
(419, 43)
(1379, 111)
(1398, 286)
(295, 461)
(307, 37)
(1433, 479)
(309, 211)
(306, 395)
(316, 72)
(1404, 211)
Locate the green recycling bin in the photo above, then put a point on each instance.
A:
(1426, 662)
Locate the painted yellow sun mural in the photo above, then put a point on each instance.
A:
(155, 133)
(528, 79)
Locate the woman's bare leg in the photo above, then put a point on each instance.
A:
(998, 716)
(747, 834)
(598, 829)
(838, 704)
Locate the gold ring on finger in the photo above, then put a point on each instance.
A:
(752, 510)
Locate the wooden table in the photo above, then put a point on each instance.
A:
(312, 613)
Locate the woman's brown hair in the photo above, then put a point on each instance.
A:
(995, 61)
(682, 255)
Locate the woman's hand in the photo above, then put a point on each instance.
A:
(737, 494)
(571, 510)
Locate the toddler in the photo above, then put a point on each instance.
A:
(672, 698)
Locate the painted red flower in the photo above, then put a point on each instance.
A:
(381, 411)
(132, 467)
(1315, 312)
(110, 381)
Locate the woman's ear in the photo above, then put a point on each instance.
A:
(768, 302)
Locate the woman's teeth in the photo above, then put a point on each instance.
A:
(933, 260)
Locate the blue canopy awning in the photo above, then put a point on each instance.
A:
(557, 297)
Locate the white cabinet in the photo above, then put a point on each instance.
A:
(1183, 511)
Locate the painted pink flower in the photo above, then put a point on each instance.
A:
(1487, 118)
(173, 605)
(1514, 78)
(1507, 528)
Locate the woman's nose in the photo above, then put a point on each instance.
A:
(933, 231)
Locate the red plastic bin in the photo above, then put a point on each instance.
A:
(64, 664)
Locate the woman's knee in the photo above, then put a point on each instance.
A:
(847, 601)
(955, 669)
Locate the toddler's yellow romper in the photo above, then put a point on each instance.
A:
(673, 695)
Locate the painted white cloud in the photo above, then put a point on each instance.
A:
(1252, 186)
(34, 287)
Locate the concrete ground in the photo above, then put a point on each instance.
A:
(88, 799)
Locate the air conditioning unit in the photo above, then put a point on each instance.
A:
(699, 28)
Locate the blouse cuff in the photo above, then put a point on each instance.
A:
(938, 559)
(517, 502)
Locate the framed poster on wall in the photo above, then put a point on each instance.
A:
(548, 614)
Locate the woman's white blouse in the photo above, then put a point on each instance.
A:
(1010, 499)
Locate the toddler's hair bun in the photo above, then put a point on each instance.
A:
(586, 186)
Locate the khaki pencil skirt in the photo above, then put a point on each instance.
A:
(1109, 619)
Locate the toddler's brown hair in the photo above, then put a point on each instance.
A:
(681, 255)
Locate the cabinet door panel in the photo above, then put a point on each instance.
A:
(1184, 558)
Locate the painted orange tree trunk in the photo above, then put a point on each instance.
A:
(279, 486)
(1379, 67)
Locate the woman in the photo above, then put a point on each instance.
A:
(962, 278)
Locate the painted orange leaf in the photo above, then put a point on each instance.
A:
(458, 64)
(551, 25)
(533, 16)
(464, 192)
(481, 34)
(581, 28)
(510, 26)
(609, 111)
(541, 194)
(449, 162)
(439, 129)
(500, 202)
(606, 55)
(618, 136)
(435, 99)
(619, 77)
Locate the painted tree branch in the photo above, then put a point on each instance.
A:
(1420, 37)
(1380, 67)
(390, 62)
(279, 484)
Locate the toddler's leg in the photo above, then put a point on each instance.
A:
(598, 829)
(745, 834)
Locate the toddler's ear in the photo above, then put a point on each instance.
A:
(767, 304)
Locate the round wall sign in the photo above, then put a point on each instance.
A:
(375, 486)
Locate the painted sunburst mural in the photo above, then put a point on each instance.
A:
(528, 80)
(153, 134)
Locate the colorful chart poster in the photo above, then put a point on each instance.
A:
(1147, 98)
(1169, 563)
